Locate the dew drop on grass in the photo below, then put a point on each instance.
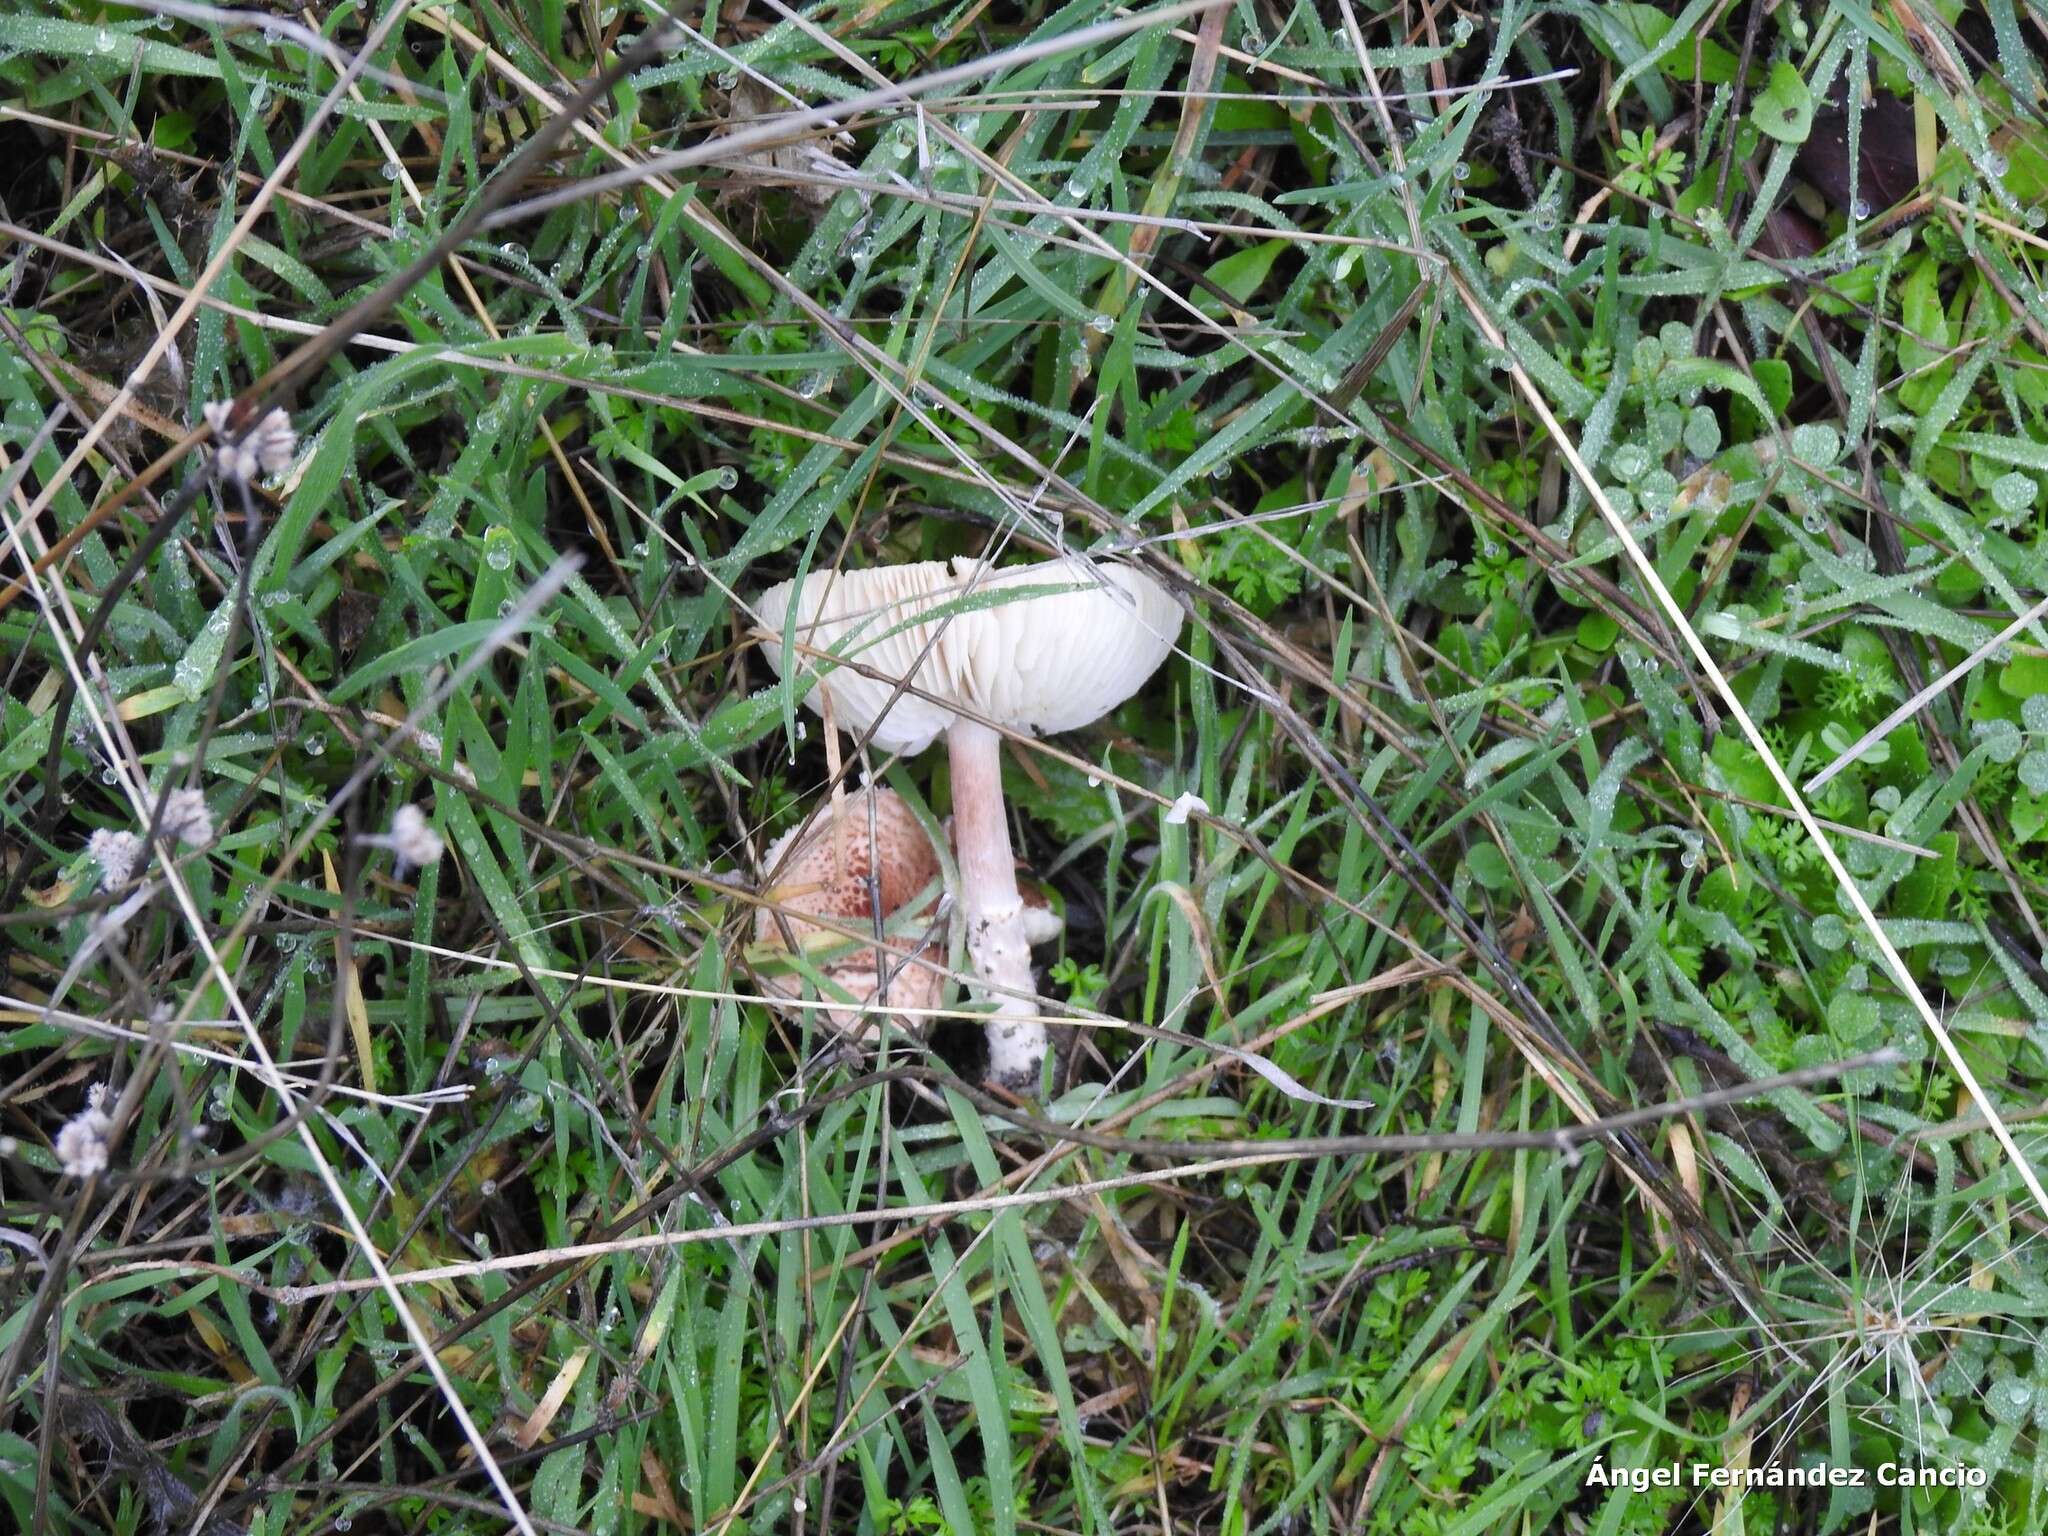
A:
(391, 170)
(1813, 522)
(2009, 1400)
(1629, 462)
(1101, 324)
(1816, 443)
(728, 477)
(2013, 493)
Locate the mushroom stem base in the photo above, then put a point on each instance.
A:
(991, 904)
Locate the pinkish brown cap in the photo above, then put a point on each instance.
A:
(821, 868)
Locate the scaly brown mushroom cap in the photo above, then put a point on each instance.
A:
(822, 868)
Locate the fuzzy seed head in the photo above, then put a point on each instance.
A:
(82, 1140)
(116, 854)
(413, 838)
(264, 449)
(187, 819)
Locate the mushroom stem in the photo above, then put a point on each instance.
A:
(991, 903)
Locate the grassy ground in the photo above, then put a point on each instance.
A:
(1567, 430)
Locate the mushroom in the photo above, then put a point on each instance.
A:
(822, 868)
(1081, 639)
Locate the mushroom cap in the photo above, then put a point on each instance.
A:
(822, 867)
(1054, 660)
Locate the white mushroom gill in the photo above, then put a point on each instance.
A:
(1072, 641)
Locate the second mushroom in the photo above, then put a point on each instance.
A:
(906, 653)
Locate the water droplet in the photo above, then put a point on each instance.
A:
(392, 170)
(1859, 209)
(104, 41)
(487, 1188)
(2013, 493)
(1813, 522)
(728, 478)
(1102, 324)
(498, 554)
(217, 1107)
(316, 743)
(1461, 170)
(1996, 164)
